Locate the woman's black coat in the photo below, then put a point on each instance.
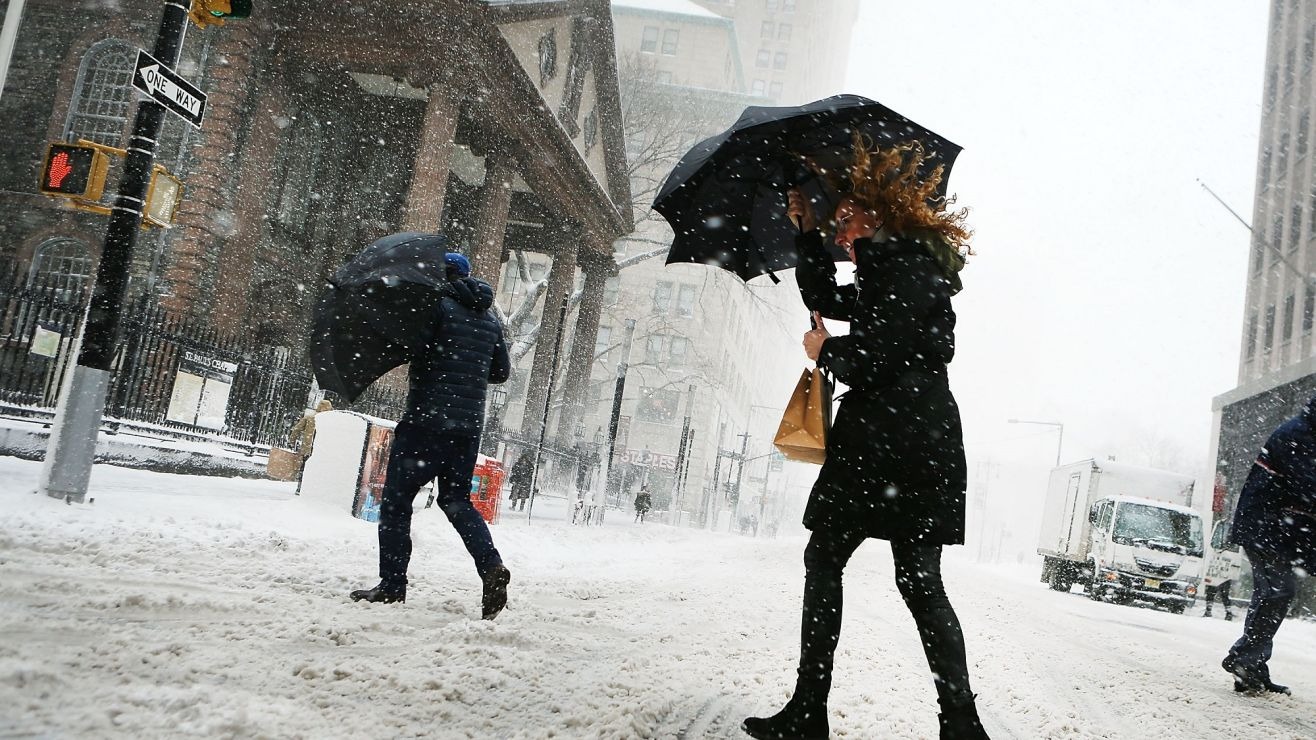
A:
(895, 457)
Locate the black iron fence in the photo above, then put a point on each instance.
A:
(173, 372)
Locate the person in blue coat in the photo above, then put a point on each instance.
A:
(1275, 524)
(438, 436)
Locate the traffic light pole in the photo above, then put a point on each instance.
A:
(615, 419)
(72, 444)
(8, 37)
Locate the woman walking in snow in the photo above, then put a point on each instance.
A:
(895, 466)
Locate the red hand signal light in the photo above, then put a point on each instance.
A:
(59, 169)
(74, 171)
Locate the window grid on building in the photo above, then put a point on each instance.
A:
(670, 39)
(662, 297)
(102, 94)
(1251, 336)
(685, 300)
(1295, 227)
(1268, 330)
(1286, 328)
(649, 41)
(63, 265)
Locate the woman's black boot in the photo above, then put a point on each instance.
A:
(959, 720)
(799, 720)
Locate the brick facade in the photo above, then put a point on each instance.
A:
(310, 146)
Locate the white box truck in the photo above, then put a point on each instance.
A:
(1123, 532)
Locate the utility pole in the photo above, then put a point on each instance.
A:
(72, 445)
(711, 501)
(740, 475)
(681, 453)
(622, 366)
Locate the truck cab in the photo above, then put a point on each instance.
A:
(1144, 550)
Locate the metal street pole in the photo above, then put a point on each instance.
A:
(1059, 445)
(548, 398)
(740, 476)
(682, 452)
(8, 37)
(622, 366)
(72, 445)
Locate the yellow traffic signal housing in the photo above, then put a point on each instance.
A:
(214, 12)
(74, 171)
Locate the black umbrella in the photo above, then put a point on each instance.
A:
(374, 314)
(726, 198)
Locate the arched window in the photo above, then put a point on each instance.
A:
(102, 94)
(300, 160)
(62, 264)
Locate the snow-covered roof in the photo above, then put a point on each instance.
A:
(674, 7)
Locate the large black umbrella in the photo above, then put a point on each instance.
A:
(374, 314)
(726, 198)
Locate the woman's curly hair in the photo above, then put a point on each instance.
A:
(886, 181)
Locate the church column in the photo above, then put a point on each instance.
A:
(561, 280)
(496, 199)
(586, 334)
(429, 180)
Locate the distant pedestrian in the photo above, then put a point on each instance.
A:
(895, 466)
(643, 502)
(439, 436)
(1221, 571)
(1275, 524)
(1219, 591)
(302, 436)
(521, 479)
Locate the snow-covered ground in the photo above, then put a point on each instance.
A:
(199, 607)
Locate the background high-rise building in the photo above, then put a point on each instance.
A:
(792, 51)
(1277, 361)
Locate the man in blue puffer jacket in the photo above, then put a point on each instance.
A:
(1275, 523)
(439, 436)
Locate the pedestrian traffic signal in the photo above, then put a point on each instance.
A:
(215, 12)
(163, 196)
(74, 171)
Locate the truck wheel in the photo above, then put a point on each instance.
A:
(1062, 578)
(1178, 608)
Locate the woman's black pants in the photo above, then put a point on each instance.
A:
(918, 576)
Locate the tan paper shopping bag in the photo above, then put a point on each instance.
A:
(802, 434)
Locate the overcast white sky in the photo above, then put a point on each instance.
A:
(1107, 292)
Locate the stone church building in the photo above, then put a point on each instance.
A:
(329, 125)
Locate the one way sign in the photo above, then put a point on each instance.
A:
(165, 87)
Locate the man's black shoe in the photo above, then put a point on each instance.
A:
(495, 591)
(380, 595)
(1268, 687)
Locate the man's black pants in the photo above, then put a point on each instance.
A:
(418, 456)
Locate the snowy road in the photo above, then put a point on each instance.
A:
(181, 606)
